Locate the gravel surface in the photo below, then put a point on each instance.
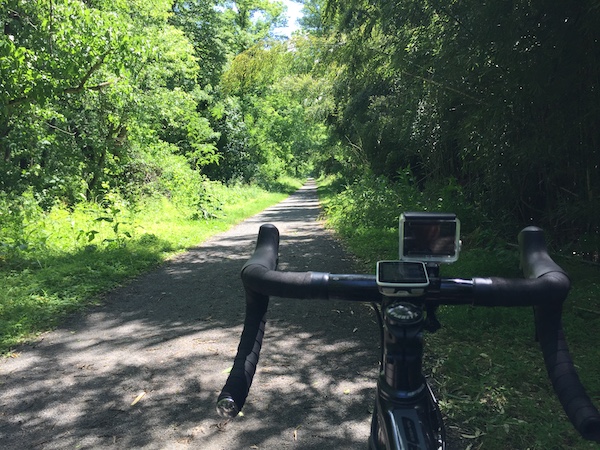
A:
(144, 370)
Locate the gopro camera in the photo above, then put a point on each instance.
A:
(429, 237)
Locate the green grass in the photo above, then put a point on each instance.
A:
(489, 370)
(66, 258)
(485, 364)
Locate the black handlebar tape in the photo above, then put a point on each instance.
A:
(244, 365)
(361, 288)
(258, 278)
(577, 404)
(536, 263)
(552, 288)
(240, 378)
(267, 247)
(546, 282)
(535, 260)
(310, 285)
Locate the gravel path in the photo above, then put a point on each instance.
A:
(144, 369)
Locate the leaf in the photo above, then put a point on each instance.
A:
(476, 435)
(138, 398)
(296, 432)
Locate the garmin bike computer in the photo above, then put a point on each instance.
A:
(401, 278)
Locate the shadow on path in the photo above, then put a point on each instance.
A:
(167, 340)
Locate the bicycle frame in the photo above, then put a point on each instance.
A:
(406, 413)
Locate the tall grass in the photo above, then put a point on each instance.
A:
(58, 261)
(484, 363)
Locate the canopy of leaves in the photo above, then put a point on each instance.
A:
(502, 96)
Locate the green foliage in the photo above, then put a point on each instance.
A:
(487, 94)
(254, 70)
(284, 130)
(55, 262)
(271, 120)
(203, 26)
(366, 211)
(375, 202)
(20, 233)
(91, 90)
(252, 20)
(235, 159)
(105, 82)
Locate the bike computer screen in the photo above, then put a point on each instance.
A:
(401, 274)
(429, 237)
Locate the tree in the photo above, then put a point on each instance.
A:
(500, 96)
(279, 102)
(253, 21)
(205, 26)
(81, 86)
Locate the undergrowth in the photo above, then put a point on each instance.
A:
(484, 364)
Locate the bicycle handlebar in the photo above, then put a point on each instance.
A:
(545, 287)
(535, 262)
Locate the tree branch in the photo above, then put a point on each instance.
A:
(73, 90)
(54, 127)
(97, 87)
(443, 86)
(94, 68)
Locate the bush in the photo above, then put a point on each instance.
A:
(371, 202)
(376, 202)
(20, 230)
(366, 212)
(159, 171)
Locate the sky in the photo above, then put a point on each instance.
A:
(293, 12)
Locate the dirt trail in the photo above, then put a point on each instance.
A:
(167, 340)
